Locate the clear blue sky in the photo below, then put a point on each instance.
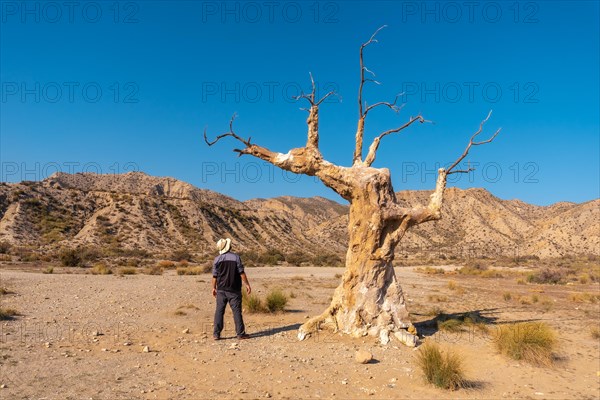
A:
(113, 86)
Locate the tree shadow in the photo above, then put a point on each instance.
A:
(481, 317)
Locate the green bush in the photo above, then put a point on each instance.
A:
(276, 300)
(444, 370)
(252, 303)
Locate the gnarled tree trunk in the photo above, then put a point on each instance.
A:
(369, 299)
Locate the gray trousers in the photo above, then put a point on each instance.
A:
(235, 302)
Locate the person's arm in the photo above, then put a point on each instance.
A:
(214, 279)
(246, 283)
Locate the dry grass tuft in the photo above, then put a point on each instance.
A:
(438, 298)
(101, 269)
(7, 314)
(127, 271)
(507, 296)
(533, 342)
(442, 369)
(431, 271)
(584, 297)
(595, 332)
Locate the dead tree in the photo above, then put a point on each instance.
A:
(369, 299)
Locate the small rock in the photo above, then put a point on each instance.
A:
(267, 395)
(406, 338)
(96, 333)
(3, 386)
(345, 382)
(363, 356)
(146, 349)
(104, 349)
(127, 344)
(186, 330)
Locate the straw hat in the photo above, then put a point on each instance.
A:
(223, 245)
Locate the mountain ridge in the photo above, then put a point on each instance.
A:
(140, 211)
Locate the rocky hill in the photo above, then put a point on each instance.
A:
(137, 211)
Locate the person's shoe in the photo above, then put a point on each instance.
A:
(216, 337)
(243, 336)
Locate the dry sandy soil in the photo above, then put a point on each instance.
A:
(50, 350)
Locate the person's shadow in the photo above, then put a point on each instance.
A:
(270, 331)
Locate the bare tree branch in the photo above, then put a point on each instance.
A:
(230, 133)
(357, 158)
(375, 145)
(472, 142)
(392, 106)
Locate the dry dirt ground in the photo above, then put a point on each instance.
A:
(50, 350)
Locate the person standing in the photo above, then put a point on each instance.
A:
(228, 275)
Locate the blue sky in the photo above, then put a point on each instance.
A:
(115, 86)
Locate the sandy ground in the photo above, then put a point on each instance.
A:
(51, 352)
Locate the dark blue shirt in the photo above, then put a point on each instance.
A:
(227, 269)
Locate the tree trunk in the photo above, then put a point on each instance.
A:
(369, 300)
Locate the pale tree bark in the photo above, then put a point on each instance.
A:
(369, 299)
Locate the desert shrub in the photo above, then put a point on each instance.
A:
(525, 300)
(101, 269)
(337, 276)
(191, 271)
(166, 264)
(442, 369)
(547, 275)
(431, 271)
(533, 342)
(584, 297)
(271, 257)
(71, 258)
(595, 332)
(127, 271)
(252, 303)
(330, 260)
(7, 314)
(584, 279)
(297, 258)
(153, 270)
(276, 300)
(181, 255)
(507, 296)
(452, 285)
(5, 247)
(48, 270)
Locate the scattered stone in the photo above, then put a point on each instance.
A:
(47, 344)
(3, 386)
(345, 382)
(384, 336)
(406, 338)
(363, 357)
(104, 349)
(186, 330)
(268, 395)
(127, 344)
(146, 349)
(96, 333)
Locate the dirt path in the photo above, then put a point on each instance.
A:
(52, 352)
